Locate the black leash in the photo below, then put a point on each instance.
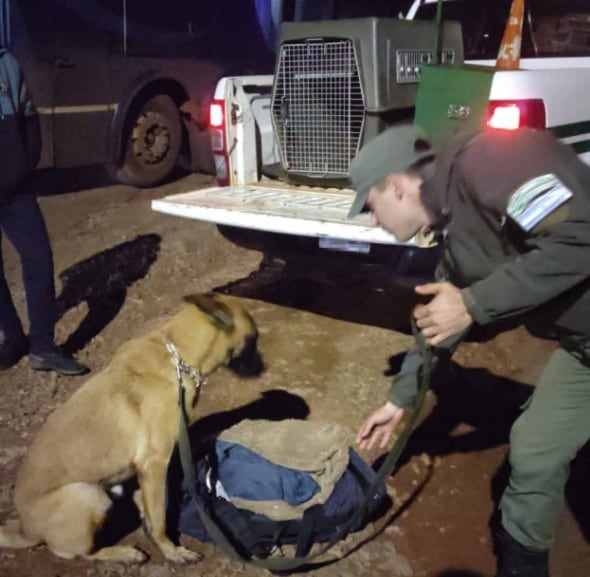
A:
(281, 564)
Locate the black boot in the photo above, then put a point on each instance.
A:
(56, 360)
(516, 560)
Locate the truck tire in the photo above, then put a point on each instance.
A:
(152, 141)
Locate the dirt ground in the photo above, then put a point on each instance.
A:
(331, 340)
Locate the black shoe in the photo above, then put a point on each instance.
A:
(12, 350)
(516, 560)
(58, 361)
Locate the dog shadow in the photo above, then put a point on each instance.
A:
(102, 282)
(273, 405)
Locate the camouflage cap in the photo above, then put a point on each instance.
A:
(394, 150)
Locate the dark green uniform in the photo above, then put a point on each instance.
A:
(514, 214)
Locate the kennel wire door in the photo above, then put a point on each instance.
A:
(318, 107)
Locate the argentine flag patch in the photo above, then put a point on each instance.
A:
(536, 199)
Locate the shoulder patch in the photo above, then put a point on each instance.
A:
(536, 199)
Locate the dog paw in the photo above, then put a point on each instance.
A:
(182, 555)
(119, 554)
(135, 556)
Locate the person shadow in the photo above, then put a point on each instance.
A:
(102, 282)
(488, 403)
(336, 285)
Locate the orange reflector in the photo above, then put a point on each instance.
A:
(216, 115)
(509, 54)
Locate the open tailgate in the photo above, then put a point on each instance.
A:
(297, 211)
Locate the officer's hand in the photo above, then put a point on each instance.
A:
(444, 316)
(379, 426)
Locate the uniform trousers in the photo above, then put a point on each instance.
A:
(22, 223)
(544, 440)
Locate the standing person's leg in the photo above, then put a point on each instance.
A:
(10, 324)
(14, 344)
(25, 228)
(544, 440)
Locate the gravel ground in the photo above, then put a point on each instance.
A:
(331, 339)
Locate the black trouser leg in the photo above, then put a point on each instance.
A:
(23, 224)
(10, 324)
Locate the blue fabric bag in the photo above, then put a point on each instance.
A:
(244, 473)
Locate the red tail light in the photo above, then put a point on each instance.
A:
(218, 147)
(515, 114)
(216, 114)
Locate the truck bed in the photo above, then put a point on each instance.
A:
(301, 211)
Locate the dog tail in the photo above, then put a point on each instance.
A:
(11, 536)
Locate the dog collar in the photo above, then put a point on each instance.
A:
(182, 368)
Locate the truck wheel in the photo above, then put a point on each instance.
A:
(153, 137)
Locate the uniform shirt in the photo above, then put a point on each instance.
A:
(505, 265)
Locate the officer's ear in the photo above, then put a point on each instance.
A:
(391, 183)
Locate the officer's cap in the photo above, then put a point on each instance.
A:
(395, 150)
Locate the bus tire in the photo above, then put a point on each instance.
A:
(152, 142)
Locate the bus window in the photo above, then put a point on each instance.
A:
(482, 23)
(551, 28)
(270, 14)
(176, 26)
(185, 28)
(561, 28)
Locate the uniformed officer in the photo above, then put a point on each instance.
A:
(513, 208)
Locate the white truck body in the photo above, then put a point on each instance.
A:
(255, 202)
(262, 204)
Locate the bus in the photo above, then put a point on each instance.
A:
(127, 83)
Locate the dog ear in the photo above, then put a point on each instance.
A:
(218, 312)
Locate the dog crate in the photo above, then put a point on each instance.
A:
(339, 83)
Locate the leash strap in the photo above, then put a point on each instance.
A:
(288, 564)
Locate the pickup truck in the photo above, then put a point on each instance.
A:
(283, 143)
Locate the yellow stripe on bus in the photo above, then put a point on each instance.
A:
(84, 109)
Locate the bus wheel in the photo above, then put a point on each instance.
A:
(152, 146)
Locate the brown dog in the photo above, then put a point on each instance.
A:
(120, 423)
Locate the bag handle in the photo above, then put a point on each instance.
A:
(289, 564)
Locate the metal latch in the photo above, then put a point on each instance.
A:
(235, 114)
